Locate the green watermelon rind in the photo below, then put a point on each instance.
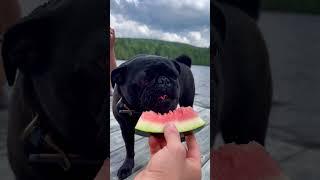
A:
(147, 134)
(145, 128)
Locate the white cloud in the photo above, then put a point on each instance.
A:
(135, 2)
(185, 21)
(195, 35)
(133, 29)
(200, 5)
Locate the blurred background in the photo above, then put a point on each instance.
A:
(25, 6)
(291, 29)
(293, 6)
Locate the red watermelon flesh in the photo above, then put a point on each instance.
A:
(244, 162)
(184, 118)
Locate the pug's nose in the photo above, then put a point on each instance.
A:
(162, 80)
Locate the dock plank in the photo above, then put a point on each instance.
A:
(117, 140)
(205, 171)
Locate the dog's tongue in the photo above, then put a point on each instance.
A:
(163, 97)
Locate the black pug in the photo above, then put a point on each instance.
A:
(242, 77)
(55, 57)
(148, 82)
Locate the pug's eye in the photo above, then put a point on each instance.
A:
(150, 76)
(174, 75)
(144, 82)
(135, 89)
(171, 74)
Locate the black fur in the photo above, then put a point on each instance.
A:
(139, 83)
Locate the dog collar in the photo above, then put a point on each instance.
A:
(42, 149)
(124, 108)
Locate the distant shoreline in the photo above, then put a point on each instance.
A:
(127, 48)
(120, 61)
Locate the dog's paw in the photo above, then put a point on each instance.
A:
(126, 168)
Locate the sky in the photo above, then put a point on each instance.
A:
(185, 21)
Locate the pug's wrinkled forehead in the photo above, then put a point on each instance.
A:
(151, 61)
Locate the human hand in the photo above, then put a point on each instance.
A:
(170, 159)
(112, 38)
(104, 171)
(234, 161)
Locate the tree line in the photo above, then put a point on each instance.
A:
(127, 48)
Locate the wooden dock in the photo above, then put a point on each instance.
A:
(118, 151)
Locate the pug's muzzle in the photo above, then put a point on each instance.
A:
(160, 95)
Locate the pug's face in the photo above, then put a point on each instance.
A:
(149, 83)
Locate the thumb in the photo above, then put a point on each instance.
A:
(171, 135)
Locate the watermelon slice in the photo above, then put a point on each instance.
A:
(244, 162)
(184, 118)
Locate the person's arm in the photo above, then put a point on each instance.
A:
(112, 61)
(113, 64)
(104, 171)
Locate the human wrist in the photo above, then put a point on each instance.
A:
(147, 175)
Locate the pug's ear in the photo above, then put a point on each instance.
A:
(184, 59)
(25, 47)
(118, 75)
(177, 65)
